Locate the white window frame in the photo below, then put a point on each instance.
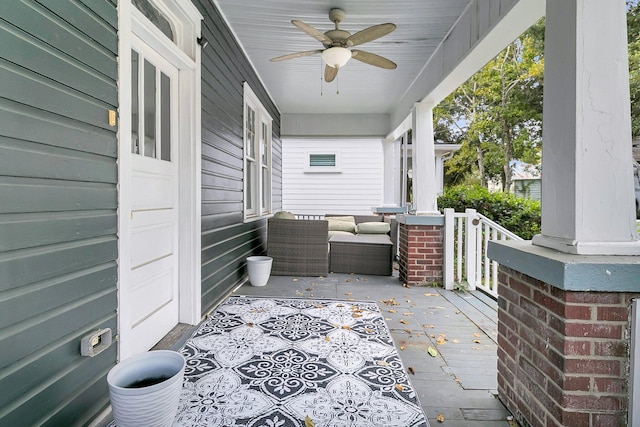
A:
(259, 205)
(337, 168)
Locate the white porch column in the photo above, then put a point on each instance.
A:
(588, 195)
(425, 184)
(389, 175)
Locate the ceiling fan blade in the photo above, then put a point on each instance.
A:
(316, 34)
(296, 55)
(369, 34)
(373, 59)
(330, 73)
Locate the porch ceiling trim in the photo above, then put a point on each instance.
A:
(481, 32)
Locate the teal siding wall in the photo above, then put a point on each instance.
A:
(226, 240)
(58, 202)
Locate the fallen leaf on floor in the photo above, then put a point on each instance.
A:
(458, 312)
(411, 371)
(310, 295)
(440, 418)
(294, 280)
(431, 295)
(457, 380)
(441, 340)
(309, 289)
(399, 387)
(339, 305)
(404, 322)
(387, 319)
(349, 280)
(350, 299)
(409, 331)
(432, 351)
(404, 285)
(477, 335)
(382, 363)
(402, 347)
(427, 326)
(477, 341)
(249, 324)
(318, 306)
(298, 293)
(368, 330)
(390, 301)
(308, 422)
(326, 338)
(347, 327)
(408, 313)
(348, 293)
(356, 315)
(455, 341)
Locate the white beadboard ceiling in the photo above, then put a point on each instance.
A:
(265, 31)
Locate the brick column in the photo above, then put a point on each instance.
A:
(421, 253)
(563, 355)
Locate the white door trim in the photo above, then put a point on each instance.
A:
(186, 55)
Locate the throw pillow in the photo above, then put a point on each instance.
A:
(373, 228)
(284, 215)
(335, 225)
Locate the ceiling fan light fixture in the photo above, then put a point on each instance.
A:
(336, 57)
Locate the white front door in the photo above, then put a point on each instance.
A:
(153, 289)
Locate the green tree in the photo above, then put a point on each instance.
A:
(496, 115)
(633, 37)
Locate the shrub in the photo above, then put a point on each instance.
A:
(518, 215)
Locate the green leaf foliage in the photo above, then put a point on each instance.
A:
(633, 37)
(496, 115)
(518, 215)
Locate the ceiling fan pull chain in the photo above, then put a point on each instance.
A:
(338, 85)
(321, 77)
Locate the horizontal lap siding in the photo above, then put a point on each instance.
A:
(355, 186)
(58, 202)
(226, 239)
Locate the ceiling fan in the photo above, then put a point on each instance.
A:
(336, 42)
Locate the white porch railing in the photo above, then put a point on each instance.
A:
(466, 240)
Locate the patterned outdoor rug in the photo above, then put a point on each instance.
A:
(273, 362)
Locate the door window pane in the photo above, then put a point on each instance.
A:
(165, 117)
(135, 107)
(149, 109)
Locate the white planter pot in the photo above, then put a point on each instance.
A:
(145, 389)
(259, 269)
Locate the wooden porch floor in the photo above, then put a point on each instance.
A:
(460, 382)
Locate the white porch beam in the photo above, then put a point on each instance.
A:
(425, 184)
(389, 179)
(588, 196)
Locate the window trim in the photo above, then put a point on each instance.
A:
(323, 169)
(262, 125)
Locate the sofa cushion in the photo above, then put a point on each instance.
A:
(339, 232)
(342, 224)
(373, 228)
(284, 215)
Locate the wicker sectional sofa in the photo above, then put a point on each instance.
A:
(300, 247)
